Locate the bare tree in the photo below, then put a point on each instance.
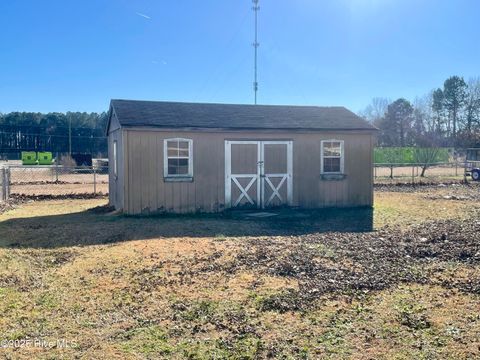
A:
(450, 115)
(472, 105)
(426, 156)
(423, 119)
(375, 110)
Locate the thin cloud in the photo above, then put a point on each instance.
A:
(144, 16)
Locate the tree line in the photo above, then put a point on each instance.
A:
(55, 132)
(446, 117)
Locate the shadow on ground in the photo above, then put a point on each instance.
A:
(96, 226)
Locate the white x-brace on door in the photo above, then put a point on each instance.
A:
(258, 173)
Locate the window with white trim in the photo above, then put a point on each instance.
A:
(115, 159)
(332, 156)
(178, 158)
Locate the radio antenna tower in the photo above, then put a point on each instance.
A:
(255, 8)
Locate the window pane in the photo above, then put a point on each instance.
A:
(177, 166)
(183, 148)
(172, 148)
(332, 149)
(331, 165)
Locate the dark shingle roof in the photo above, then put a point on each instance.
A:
(132, 113)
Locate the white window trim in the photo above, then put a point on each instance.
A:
(115, 159)
(190, 159)
(342, 156)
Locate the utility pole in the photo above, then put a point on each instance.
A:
(255, 8)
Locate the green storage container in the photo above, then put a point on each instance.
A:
(29, 158)
(44, 158)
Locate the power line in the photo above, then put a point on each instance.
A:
(58, 136)
(52, 127)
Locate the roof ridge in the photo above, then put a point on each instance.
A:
(174, 114)
(233, 104)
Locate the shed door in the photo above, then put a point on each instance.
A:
(276, 173)
(242, 183)
(258, 174)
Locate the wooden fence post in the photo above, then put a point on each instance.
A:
(94, 181)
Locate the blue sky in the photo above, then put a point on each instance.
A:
(78, 54)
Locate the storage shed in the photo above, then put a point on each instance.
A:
(192, 157)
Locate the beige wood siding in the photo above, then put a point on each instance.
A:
(244, 159)
(275, 159)
(114, 123)
(146, 191)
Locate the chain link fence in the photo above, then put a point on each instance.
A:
(413, 172)
(55, 181)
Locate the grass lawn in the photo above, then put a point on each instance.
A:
(401, 281)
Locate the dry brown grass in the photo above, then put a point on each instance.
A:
(160, 287)
(405, 209)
